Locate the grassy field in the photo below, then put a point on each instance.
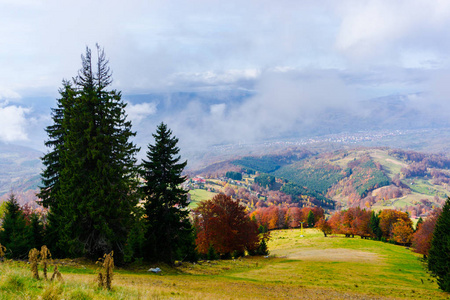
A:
(310, 267)
(391, 164)
(198, 195)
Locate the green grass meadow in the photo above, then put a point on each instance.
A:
(309, 267)
(198, 195)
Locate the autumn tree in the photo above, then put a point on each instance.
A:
(402, 232)
(361, 222)
(439, 253)
(351, 222)
(295, 217)
(388, 217)
(165, 200)
(335, 222)
(223, 224)
(324, 226)
(421, 240)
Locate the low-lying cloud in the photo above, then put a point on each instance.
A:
(137, 112)
(283, 104)
(13, 123)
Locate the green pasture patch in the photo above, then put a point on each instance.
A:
(198, 195)
(387, 270)
(390, 164)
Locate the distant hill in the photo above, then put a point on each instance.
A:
(368, 177)
(20, 169)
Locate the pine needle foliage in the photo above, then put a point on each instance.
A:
(90, 174)
(166, 213)
(439, 253)
(15, 235)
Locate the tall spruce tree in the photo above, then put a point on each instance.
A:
(169, 229)
(50, 191)
(89, 180)
(439, 253)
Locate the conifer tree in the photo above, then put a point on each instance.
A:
(50, 191)
(168, 226)
(375, 226)
(15, 235)
(439, 253)
(89, 181)
(310, 219)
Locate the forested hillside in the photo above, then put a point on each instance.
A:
(367, 177)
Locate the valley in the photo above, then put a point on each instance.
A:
(373, 178)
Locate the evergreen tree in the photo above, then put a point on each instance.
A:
(439, 254)
(165, 200)
(16, 235)
(310, 219)
(50, 191)
(36, 231)
(89, 181)
(375, 226)
(419, 222)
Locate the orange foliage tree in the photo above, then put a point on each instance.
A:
(223, 224)
(421, 240)
(402, 231)
(294, 217)
(277, 217)
(351, 222)
(388, 217)
(324, 226)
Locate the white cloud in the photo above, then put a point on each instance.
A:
(137, 112)
(13, 123)
(385, 32)
(8, 94)
(285, 103)
(217, 110)
(287, 51)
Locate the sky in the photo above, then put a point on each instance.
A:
(296, 59)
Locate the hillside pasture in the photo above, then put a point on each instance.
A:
(390, 164)
(198, 195)
(309, 267)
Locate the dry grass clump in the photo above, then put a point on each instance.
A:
(56, 274)
(107, 263)
(45, 256)
(2, 252)
(33, 257)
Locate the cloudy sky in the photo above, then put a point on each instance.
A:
(296, 58)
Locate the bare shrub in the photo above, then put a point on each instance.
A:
(2, 252)
(56, 274)
(107, 265)
(45, 257)
(33, 257)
